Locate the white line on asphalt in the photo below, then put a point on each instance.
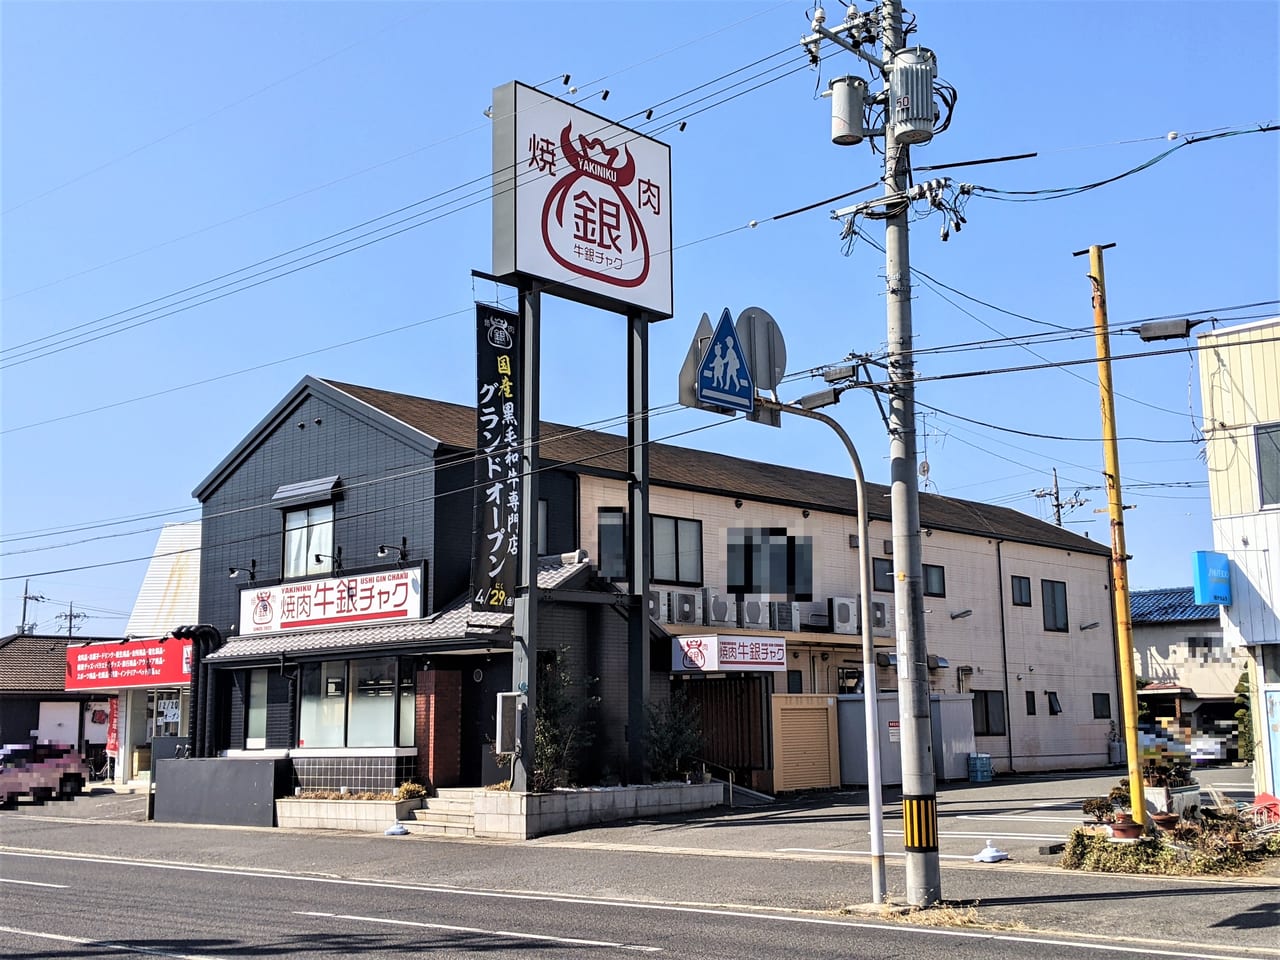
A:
(103, 944)
(1201, 954)
(34, 883)
(988, 834)
(864, 853)
(576, 941)
(1018, 817)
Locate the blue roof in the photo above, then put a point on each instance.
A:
(1169, 605)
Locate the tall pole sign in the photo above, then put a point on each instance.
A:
(581, 211)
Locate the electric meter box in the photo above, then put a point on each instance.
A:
(912, 114)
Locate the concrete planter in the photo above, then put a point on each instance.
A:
(370, 816)
(521, 816)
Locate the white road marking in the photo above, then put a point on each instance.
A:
(987, 834)
(1206, 952)
(864, 853)
(33, 883)
(1018, 818)
(103, 944)
(576, 941)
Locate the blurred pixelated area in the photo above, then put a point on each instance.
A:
(42, 772)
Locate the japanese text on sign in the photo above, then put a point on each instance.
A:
(496, 547)
(362, 598)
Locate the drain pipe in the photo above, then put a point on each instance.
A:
(1004, 658)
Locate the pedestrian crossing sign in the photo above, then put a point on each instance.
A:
(723, 377)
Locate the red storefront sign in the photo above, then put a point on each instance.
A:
(134, 663)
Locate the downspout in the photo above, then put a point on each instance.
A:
(1004, 658)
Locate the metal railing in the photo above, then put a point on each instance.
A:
(718, 766)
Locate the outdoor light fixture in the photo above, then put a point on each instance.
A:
(402, 551)
(961, 614)
(1090, 626)
(336, 557)
(251, 571)
(738, 504)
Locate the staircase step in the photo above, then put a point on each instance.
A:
(438, 829)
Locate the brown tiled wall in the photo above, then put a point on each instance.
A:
(437, 726)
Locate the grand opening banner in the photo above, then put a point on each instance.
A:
(495, 551)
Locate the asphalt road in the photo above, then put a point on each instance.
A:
(89, 879)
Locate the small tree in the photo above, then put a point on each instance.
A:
(1244, 718)
(565, 727)
(675, 735)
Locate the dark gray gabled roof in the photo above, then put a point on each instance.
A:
(454, 426)
(30, 663)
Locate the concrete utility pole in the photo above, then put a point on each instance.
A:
(1057, 501)
(919, 786)
(907, 99)
(1119, 556)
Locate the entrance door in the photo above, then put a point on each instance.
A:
(59, 723)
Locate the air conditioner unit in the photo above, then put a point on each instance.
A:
(684, 607)
(784, 616)
(843, 615)
(718, 609)
(815, 615)
(881, 618)
(753, 613)
(658, 606)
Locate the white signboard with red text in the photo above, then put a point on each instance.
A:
(727, 652)
(389, 595)
(581, 202)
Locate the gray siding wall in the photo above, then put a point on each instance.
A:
(386, 492)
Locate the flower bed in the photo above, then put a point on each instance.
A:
(371, 816)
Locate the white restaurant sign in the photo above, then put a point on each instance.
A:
(581, 202)
(391, 595)
(725, 652)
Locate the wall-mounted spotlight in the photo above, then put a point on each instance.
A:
(1093, 625)
(805, 514)
(336, 557)
(961, 614)
(402, 552)
(250, 572)
(738, 504)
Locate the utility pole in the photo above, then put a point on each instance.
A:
(25, 627)
(72, 617)
(907, 99)
(919, 787)
(1119, 557)
(1057, 501)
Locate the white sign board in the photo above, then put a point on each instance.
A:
(580, 202)
(390, 595)
(725, 652)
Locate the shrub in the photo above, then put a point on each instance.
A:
(674, 735)
(1097, 807)
(411, 791)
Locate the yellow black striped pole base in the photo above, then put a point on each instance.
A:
(920, 823)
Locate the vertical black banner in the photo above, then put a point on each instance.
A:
(499, 381)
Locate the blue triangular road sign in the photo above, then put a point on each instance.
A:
(723, 377)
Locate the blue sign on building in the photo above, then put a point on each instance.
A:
(1211, 577)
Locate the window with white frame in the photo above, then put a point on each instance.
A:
(1268, 440)
(308, 535)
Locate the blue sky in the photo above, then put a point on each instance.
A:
(151, 147)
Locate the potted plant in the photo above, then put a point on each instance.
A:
(1100, 808)
(1124, 826)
